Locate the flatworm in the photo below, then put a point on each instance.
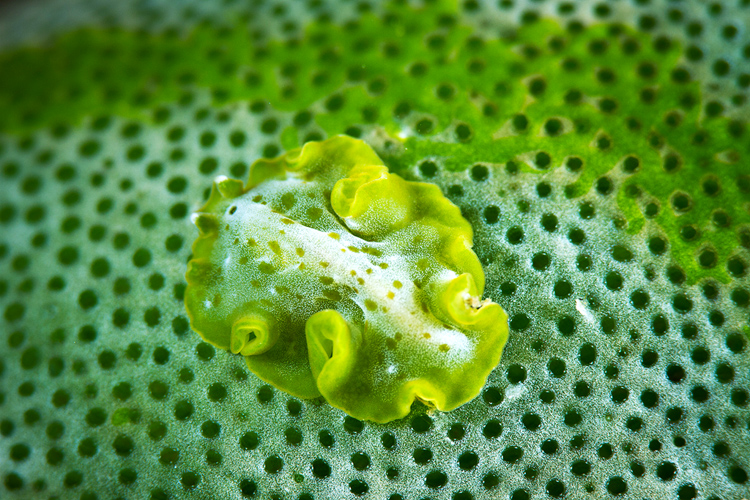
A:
(336, 278)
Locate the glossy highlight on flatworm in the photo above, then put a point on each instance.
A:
(336, 278)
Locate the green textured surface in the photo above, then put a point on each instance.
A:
(627, 290)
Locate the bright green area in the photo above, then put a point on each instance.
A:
(334, 277)
(535, 98)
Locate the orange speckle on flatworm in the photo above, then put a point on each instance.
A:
(275, 247)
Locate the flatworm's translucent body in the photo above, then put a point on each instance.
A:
(334, 277)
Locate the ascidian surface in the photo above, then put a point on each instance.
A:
(597, 148)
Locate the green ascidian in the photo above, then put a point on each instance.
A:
(334, 277)
(581, 166)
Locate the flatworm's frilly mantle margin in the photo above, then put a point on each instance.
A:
(334, 277)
